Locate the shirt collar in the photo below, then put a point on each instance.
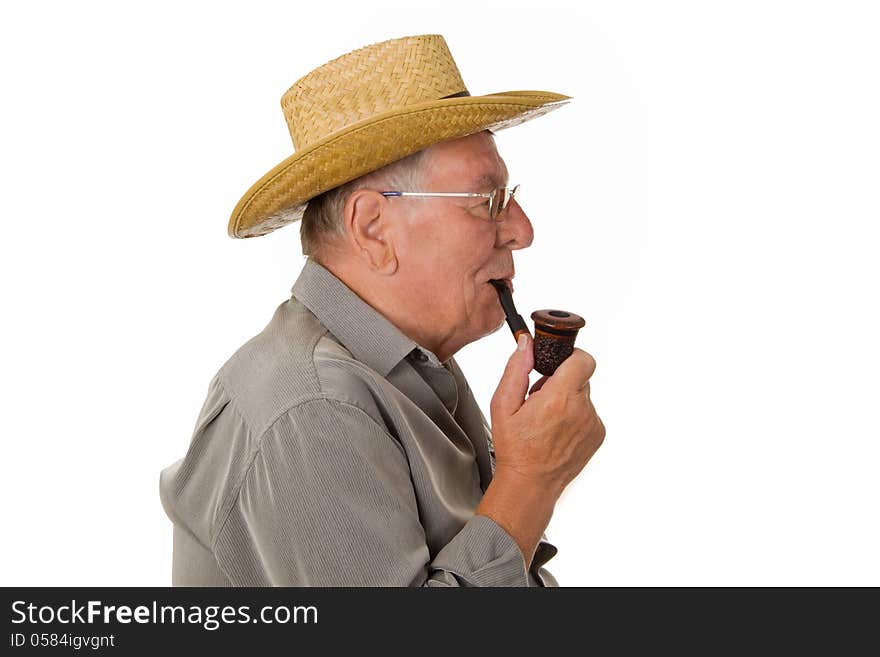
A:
(364, 331)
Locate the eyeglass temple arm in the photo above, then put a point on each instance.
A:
(459, 194)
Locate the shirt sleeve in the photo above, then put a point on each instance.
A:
(328, 501)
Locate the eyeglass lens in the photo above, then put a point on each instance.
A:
(500, 200)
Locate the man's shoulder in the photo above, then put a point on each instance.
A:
(293, 360)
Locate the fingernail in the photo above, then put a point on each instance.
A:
(522, 343)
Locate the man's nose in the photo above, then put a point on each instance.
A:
(515, 231)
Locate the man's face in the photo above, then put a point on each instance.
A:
(451, 247)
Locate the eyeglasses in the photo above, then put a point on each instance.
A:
(498, 199)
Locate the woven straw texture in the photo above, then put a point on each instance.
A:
(366, 109)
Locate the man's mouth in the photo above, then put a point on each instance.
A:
(506, 281)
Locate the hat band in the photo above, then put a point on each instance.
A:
(458, 95)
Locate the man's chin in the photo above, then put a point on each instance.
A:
(499, 324)
(490, 322)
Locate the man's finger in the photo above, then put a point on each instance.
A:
(574, 373)
(511, 391)
(538, 385)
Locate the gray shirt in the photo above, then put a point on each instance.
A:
(332, 450)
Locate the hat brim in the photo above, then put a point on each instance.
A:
(281, 195)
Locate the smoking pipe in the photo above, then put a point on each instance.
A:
(555, 330)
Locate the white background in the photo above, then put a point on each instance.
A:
(708, 202)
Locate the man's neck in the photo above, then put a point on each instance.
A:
(377, 293)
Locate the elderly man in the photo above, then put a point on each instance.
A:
(342, 445)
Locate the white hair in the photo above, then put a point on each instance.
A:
(322, 219)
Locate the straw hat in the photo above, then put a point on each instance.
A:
(369, 108)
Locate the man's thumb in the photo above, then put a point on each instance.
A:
(511, 390)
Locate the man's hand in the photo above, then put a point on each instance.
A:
(541, 443)
(549, 437)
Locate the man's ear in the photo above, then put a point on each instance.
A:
(368, 230)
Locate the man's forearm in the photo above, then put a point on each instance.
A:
(521, 507)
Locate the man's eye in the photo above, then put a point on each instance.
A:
(481, 210)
